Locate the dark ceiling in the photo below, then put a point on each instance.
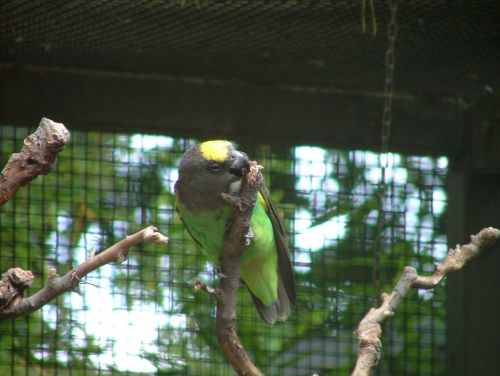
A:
(444, 47)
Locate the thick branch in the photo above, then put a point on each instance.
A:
(14, 281)
(234, 246)
(369, 329)
(37, 156)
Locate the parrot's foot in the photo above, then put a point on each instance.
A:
(234, 201)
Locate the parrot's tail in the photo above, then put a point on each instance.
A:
(278, 311)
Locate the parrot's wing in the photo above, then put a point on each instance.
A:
(285, 268)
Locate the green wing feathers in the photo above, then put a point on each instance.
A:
(285, 267)
(275, 272)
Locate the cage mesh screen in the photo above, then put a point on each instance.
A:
(142, 316)
(443, 46)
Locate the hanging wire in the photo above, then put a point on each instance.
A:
(392, 33)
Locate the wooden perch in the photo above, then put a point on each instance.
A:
(37, 156)
(234, 245)
(369, 330)
(16, 280)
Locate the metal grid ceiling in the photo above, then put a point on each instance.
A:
(445, 47)
(143, 316)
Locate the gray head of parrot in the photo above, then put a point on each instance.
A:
(206, 171)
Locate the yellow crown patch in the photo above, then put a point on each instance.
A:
(216, 150)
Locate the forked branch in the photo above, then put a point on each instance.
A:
(369, 330)
(16, 280)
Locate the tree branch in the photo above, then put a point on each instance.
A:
(234, 245)
(369, 330)
(16, 280)
(37, 156)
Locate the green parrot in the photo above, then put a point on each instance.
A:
(205, 172)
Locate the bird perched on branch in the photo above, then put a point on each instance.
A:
(206, 172)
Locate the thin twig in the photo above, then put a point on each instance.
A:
(369, 330)
(15, 280)
(37, 156)
(234, 246)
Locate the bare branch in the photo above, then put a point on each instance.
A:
(15, 281)
(234, 246)
(37, 156)
(369, 329)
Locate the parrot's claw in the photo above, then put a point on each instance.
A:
(234, 201)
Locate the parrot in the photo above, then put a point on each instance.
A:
(206, 171)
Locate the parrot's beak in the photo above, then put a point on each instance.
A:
(239, 163)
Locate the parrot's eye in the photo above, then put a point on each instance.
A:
(214, 166)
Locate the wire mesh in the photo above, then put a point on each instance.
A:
(450, 45)
(142, 316)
